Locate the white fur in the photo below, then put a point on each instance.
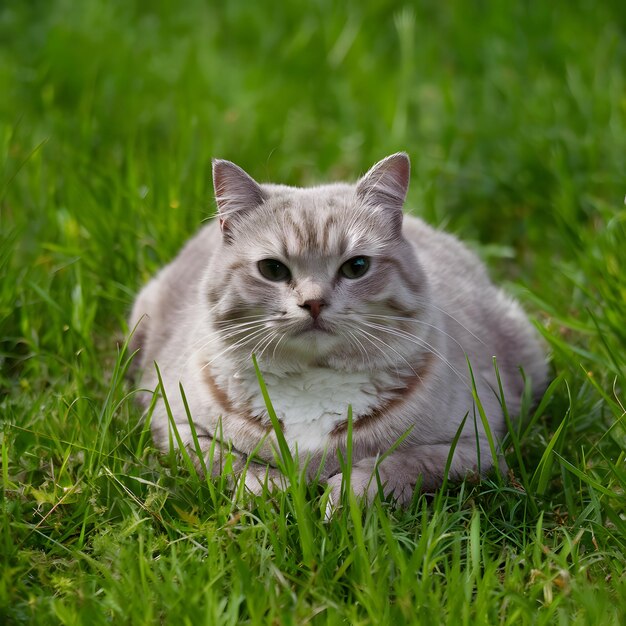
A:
(312, 402)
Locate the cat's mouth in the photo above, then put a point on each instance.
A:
(314, 327)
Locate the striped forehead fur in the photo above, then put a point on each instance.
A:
(320, 220)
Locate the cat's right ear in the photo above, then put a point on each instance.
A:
(385, 185)
(236, 192)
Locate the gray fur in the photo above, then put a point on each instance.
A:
(404, 331)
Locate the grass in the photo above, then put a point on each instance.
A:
(514, 115)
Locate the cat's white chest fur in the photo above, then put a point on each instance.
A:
(311, 403)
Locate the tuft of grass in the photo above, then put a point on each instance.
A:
(515, 120)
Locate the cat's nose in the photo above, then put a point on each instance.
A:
(314, 307)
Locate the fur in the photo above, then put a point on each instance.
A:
(393, 344)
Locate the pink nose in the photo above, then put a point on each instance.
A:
(314, 307)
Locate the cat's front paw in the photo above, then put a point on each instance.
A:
(334, 495)
(365, 478)
(257, 477)
(363, 483)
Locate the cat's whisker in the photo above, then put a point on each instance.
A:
(356, 342)
(236, 345)
(417, 340)
(427, 304)
(264, 343)
(240, 327)
(235, 333)
(420, 342)
(349, 337)
(432, 305)
(369, 337)
(213, 337)
(276, 346)
(381, 350)
(225, 333)
(258, 317)
(253, 329)
(415, 321)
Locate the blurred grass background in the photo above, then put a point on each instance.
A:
(514, 115)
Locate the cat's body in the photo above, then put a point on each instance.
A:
(349, 306)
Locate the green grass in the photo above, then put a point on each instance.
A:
(514, 115)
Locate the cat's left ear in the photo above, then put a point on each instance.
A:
(386, 183)
(236, 192)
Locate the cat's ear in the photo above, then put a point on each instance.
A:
(386, 183)
(236, 192)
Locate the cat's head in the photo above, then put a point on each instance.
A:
(319, 275)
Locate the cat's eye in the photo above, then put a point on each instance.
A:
(274, 270)
(355, 267)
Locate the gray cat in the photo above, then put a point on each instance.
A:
(345, 302)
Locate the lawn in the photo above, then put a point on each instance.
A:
(514, 115)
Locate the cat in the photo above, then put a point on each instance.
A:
(345, 302)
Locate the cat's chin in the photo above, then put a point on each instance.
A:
(311, 344)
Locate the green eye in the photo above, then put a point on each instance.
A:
(274, 270)
(355, 268)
